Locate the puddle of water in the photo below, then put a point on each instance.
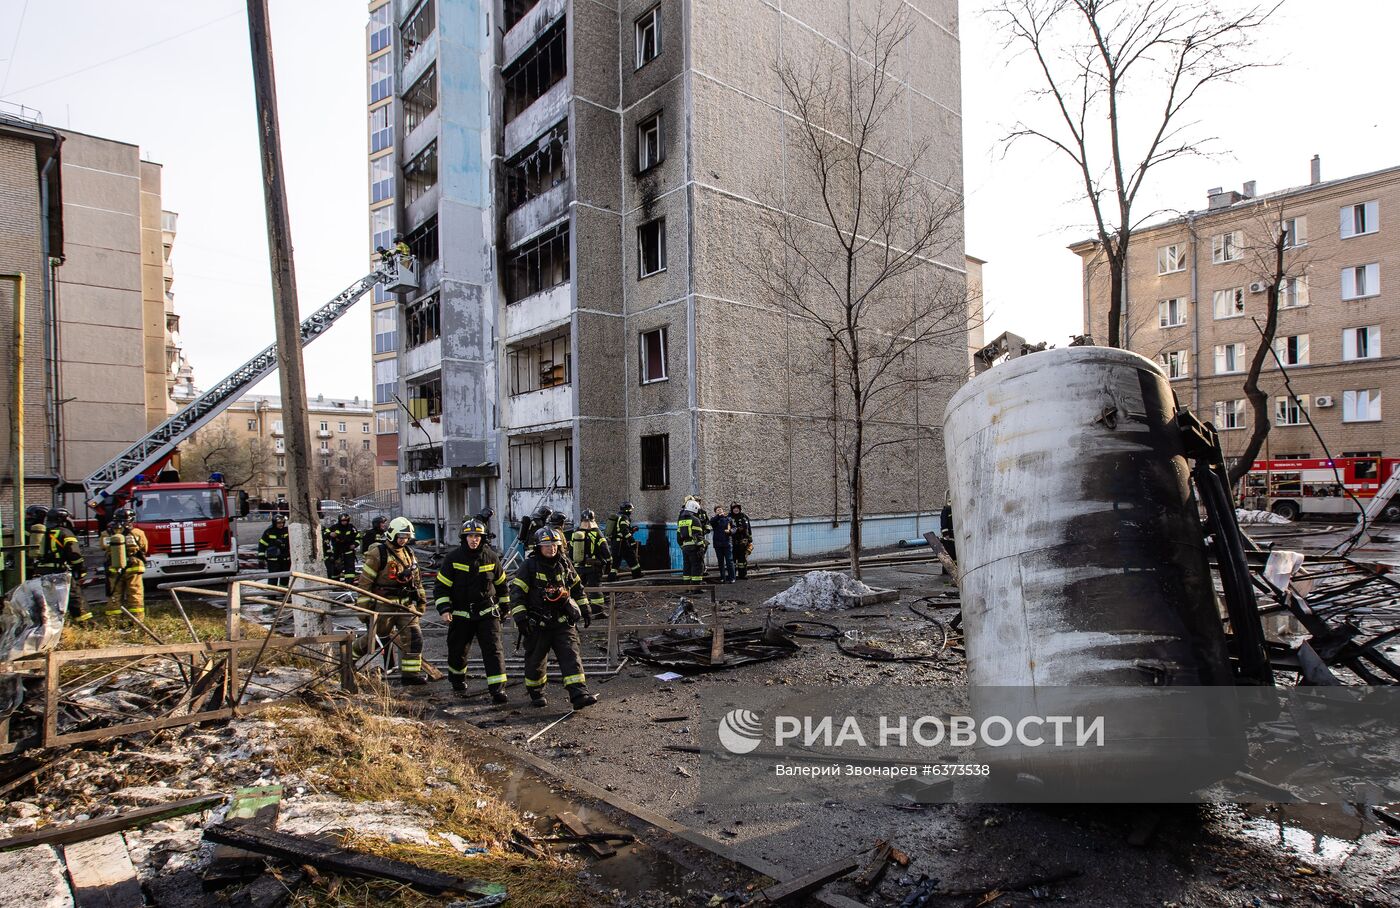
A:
(1325, 833)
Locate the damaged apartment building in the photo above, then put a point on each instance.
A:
(579, 181)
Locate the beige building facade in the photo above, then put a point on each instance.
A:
(1197, 295)
(341, 432)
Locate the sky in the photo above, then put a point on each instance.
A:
(174, 77)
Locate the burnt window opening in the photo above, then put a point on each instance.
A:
(536, 72)
(538, 265)
(424, 459)
(515, 10)
(422, 321)
(656, 461)
(419, 28)
(651, 248)
(538, 463)
(423, 242)
(421, 99)
(650, 151)
(425, 399)
(539, 168)
(539, 364)
(421, 173)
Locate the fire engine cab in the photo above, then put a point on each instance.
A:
(190, 527)
(1293, 488)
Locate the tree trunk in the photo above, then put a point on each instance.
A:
(1116, 289)
(855, 492)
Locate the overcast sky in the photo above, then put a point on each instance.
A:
(173, 77)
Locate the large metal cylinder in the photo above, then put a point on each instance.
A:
(1079, 543)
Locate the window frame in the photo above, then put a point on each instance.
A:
(1231, 415)
(1351, 346)
(1370, 211)
(1178, 256)
(643, 358)
(1365, 271)
(657, 121)
(1282, 409)
(1165, 306)
(656, 475)
(1222, 352)
(1373, 400)
(1296, 229)
(1223, 244)
(1238, 303)
(1176, 363)
(660, 224)
(654, 24)
(1301, 353)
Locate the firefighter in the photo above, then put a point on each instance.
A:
(341, 552)
(59, 554)
(469, 586)
(127, 550)
(623, 543)
(275, 548)
(691, 529)
(36, 525)
(485, 515)
(327, 547)
(530, 525)
(401, 249)
(544, 603)
(742, 537)
(375, 533)
(593, 558)
(391, 570)
(722, 529)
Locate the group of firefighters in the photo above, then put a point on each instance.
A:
(53, 549)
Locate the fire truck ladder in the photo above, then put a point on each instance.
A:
(160, 441)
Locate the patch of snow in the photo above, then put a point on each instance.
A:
(820, 591)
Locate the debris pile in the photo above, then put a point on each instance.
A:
(822, 591)
(1247, 517)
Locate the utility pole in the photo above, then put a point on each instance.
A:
(301, 517)
(17, 427)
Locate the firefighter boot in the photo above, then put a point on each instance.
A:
(459, 683)
(537, 697)
(579, 697)
(498, 693)
(636, 571)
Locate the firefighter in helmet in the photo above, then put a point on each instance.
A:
(742, 538)
(469, 587)
(59, 554)
(531, 524)
(692, 527)
(275, 548)
(36, 526)
(593, 558)
(391, 570)
(544, 596)
(375, 533)
(623, 543)
(127, 550)
(341, 552)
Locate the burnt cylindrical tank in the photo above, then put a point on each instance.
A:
(1083, 564)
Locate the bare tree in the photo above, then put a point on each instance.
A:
(244, 462)
(1120, 77)
(873, 261)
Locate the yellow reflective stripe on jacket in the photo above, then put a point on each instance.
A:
(442, 578)
(461, 567)
(487, 568)
(517, 582)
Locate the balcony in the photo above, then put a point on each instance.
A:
(427, 433)
(423, 56)
(526, 500)
(526, 31)
(539, 410)
(539, 212)
(548, 109)
(534, 314)
(422, 358)
(324, 433)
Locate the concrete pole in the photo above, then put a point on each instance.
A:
(17, 426)
(301, 517)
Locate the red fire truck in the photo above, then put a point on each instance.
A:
(189, 525)
(1293, 488)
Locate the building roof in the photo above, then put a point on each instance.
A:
(47, 142)
(318, 404)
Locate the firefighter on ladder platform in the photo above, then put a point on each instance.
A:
(127, 549)
(623, 543)
(391, 570)
(593, 558)
(470, 585)
(544, 603)
(59, 554)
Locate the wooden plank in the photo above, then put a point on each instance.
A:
(102, 874)
(268, 891)
(334, 859)
(91, 829)
(235, 609)
(258, 806)
(20, 771)
(875, 867)
(807, 883)
(577, 827)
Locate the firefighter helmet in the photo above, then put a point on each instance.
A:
(378, 522)
(345, 519)
(60, 517)
(472, 526)
(35, 513)
(123, 516)
(736, 508)
(625, 507)
(546, 536)
(279, 520)
(400, 526)
(587, 515)
(541, 513)
(558, 519)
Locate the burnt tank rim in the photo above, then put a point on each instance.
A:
(1047, 359)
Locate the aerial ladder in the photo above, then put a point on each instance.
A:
(396, 273)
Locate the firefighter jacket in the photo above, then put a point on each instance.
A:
(59, 550)
(136, 548)
(275, 545)
(691, 529)
(620, 528)
(544, 591)
(343, 540)
(588, 549)
(372, 537)
(743, 531)
(391, 573)
(470, 583)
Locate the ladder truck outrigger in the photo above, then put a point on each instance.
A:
(189, 524)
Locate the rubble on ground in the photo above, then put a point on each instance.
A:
(1247, 517)
(821, 591)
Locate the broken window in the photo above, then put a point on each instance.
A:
(651, 248)
(381, 179)
(649, 152)
(656, 461)
(381, 129)
(425, 399)
(538, 463)
(1292, 350)
(653, 355)
(1229, 303)
(421, 173)
(421, 99)
(538, 264)
(539, 364)
(515, 10)
(648, 29)
(424, 459)
(1229, 414)
(1291, 411)
(539, 168)
(417, 31)
(423, 242)
(535, 72)
(422, 322)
